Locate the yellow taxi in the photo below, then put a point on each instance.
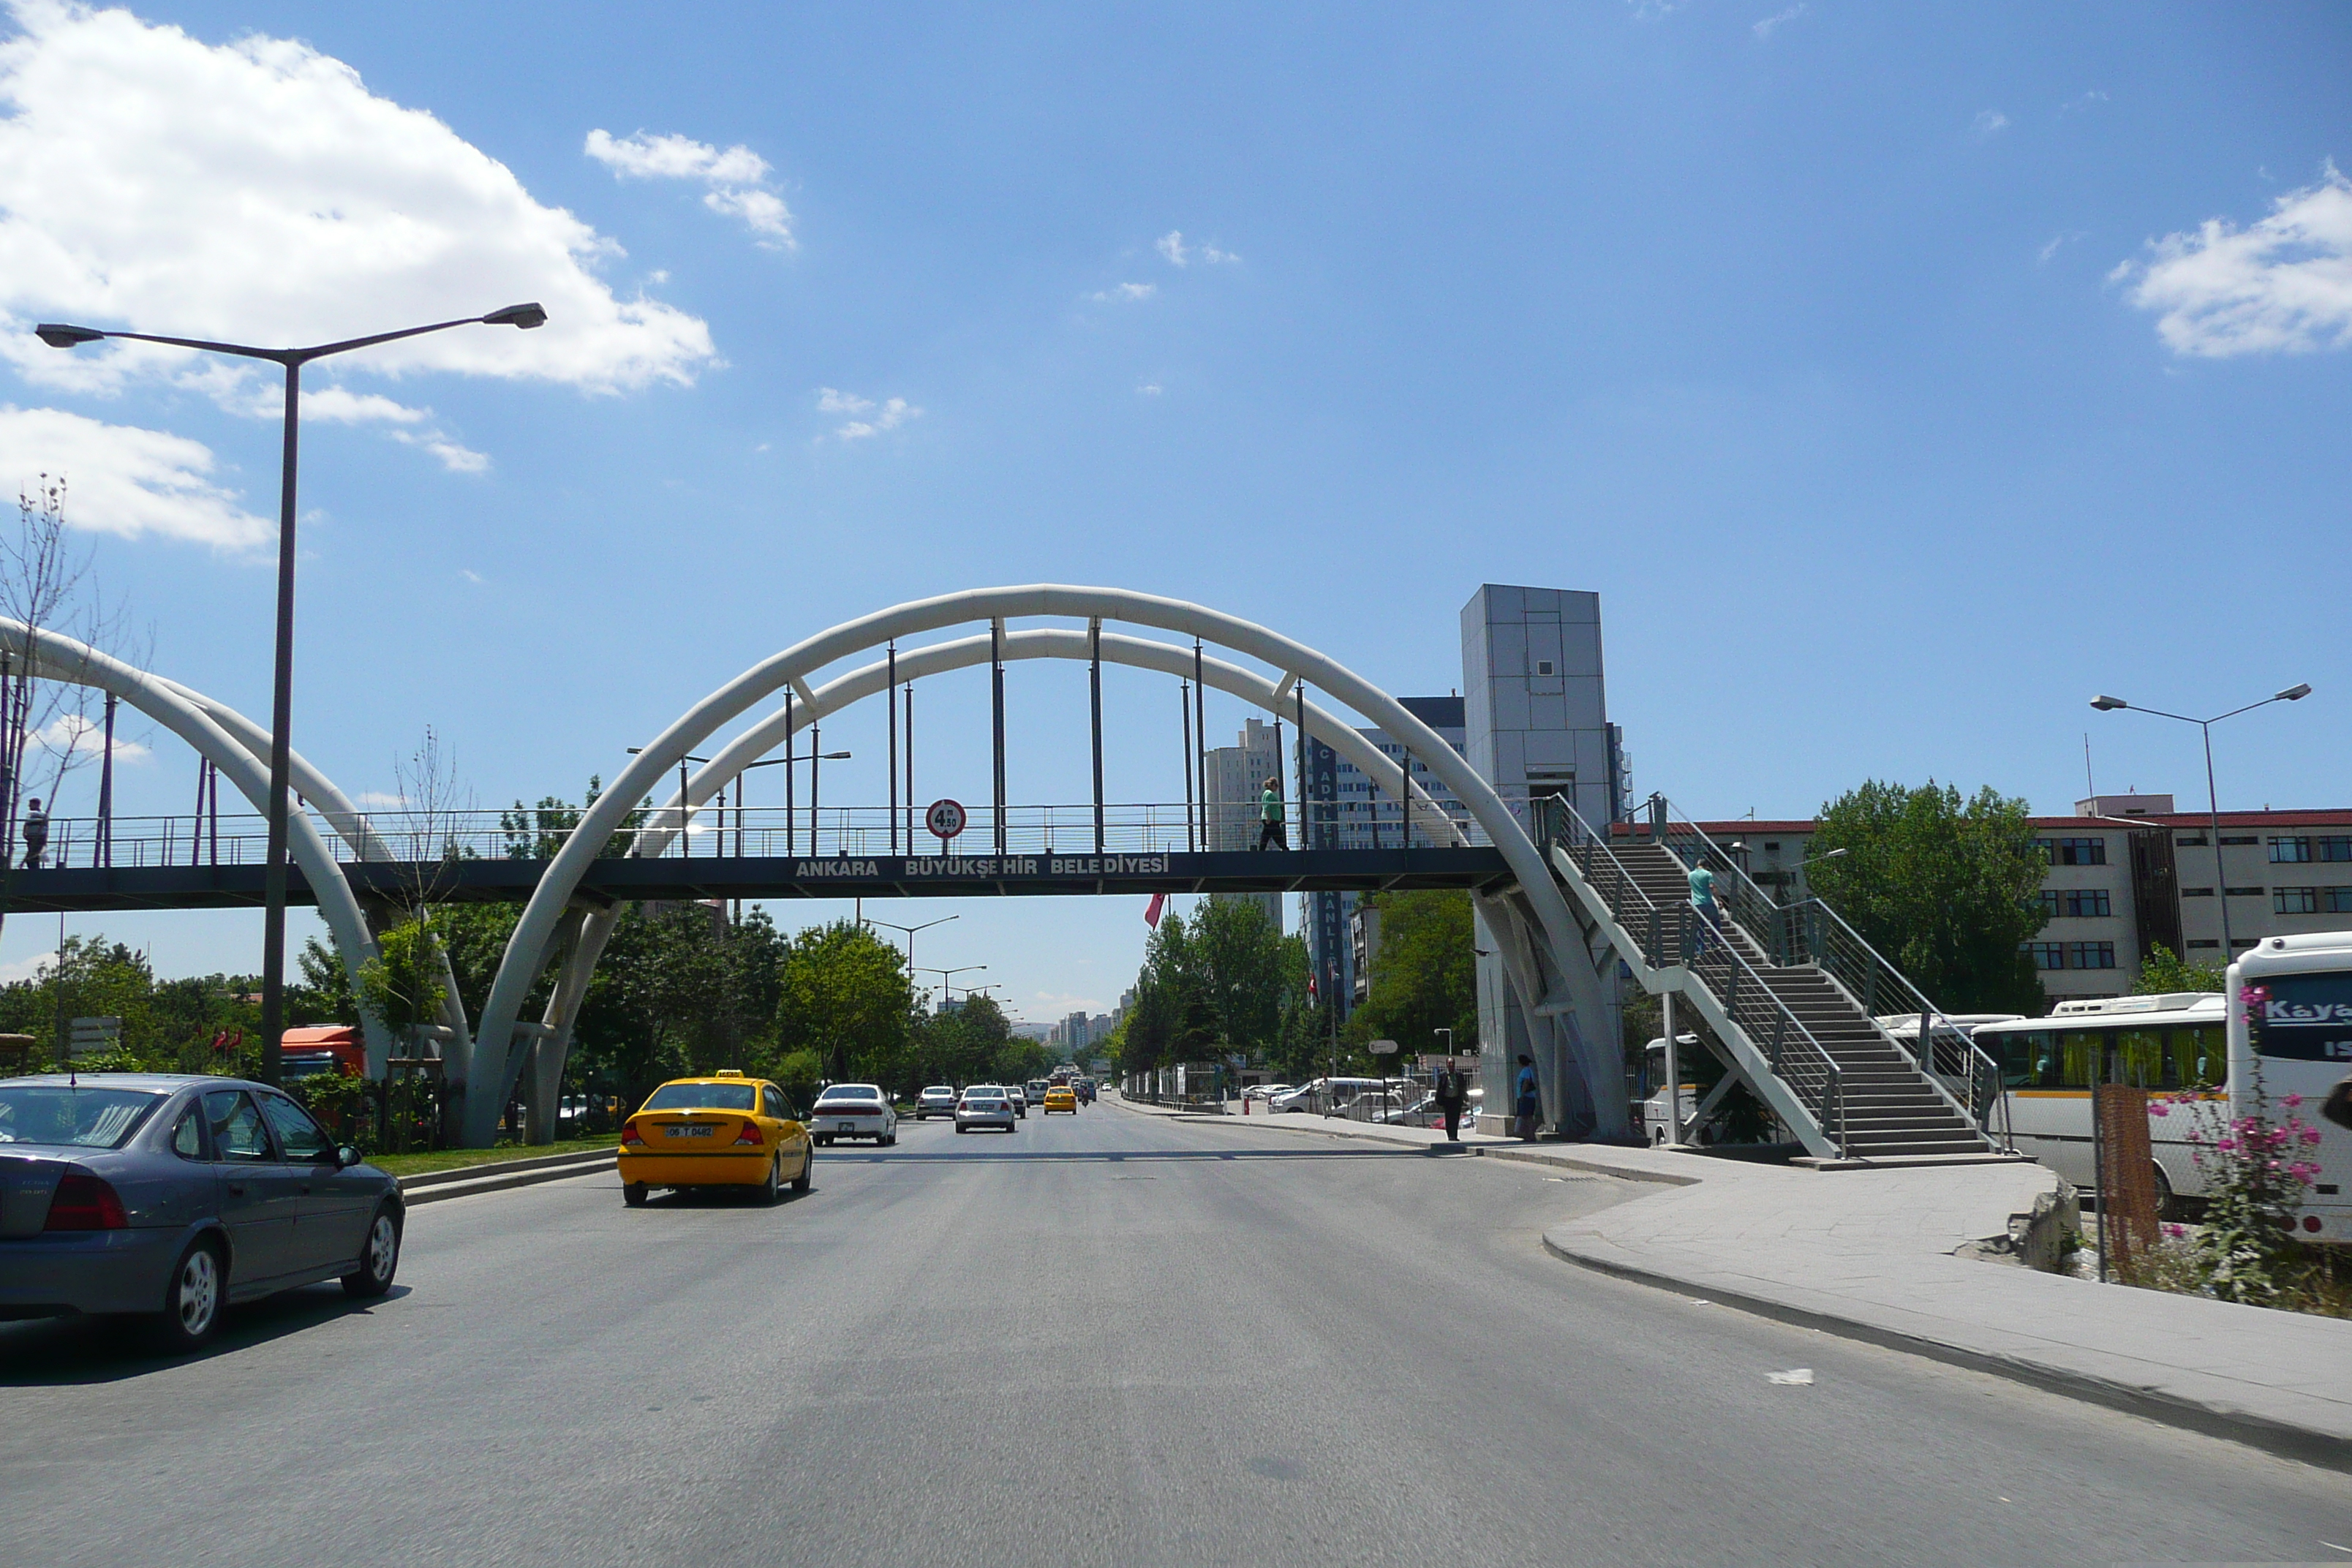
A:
(1061, 1096)
(724, 1130)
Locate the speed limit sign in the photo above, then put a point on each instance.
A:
(944, 819)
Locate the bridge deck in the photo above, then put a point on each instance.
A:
(86, 890)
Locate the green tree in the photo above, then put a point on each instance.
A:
(403, 980)
(843, 992)
(1424, 976)
(2164, 970)
(1943, 888)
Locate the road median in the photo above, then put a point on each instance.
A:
(500, 1175)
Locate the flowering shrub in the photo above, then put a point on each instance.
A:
(2256, 1173)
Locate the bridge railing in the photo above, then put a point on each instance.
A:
(533, 834)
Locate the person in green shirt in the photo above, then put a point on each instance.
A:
(1710, 918)
(1270, 818)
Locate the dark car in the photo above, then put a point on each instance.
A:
(171, 1196)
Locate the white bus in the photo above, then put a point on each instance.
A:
(2190, 1040)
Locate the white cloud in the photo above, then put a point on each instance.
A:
(1770, 25)
(2058, 243)
(253, 192)
(1172, 247)
(471, 575)
(1151, 389)
(2282, 286)
(411, 427)
(126, 480)
(32, 966)
(887, 416)
(85, 736)
(737, 177)
(378, 800)
(1989, 123)
(1124, 291)
(2086, 101)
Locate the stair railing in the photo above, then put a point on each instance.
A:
(1810, 931)
(1671, 935)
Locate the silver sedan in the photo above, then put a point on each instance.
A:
(170, 1197)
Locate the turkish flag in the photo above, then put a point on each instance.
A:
(1151, 914)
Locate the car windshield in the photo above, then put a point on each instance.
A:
(851, 1091)
(701, 1097)
(84, 1117)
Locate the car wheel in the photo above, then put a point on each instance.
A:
(773, 1187)
(192, 1297)
(634, 1193)
(808, 1171)
(962, 1128)
(2167, 1207)
(891, 1142)
(379, 1258)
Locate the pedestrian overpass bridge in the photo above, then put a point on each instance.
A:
(1572, 910)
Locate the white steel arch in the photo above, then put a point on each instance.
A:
(229, 741)
(550, 919)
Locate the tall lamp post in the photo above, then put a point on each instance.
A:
(273, 921)
(947, 978)
(909, 931)
(2106, 704)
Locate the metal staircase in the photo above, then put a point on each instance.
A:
(1788, 991)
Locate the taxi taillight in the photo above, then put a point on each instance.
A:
(751, 1133)
(629, 1134)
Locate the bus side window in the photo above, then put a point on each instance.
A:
(2195, 1058)
(2083, 1057)
(2141, 1059)
(2025, 1059)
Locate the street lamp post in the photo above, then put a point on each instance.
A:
(2106, 704)
(273, 924)
(909, 931)
(947, 978)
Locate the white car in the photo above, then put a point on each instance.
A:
(937, 1100)
(854, 1111)
(984, 1105)
(1020, 1099)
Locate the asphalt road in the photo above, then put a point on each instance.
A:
(1106, 1339)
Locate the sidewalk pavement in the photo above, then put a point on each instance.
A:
(1871, 1255)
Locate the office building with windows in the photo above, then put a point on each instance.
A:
(2129, 873)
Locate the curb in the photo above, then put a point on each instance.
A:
(2301, 1443)
(434, 1186)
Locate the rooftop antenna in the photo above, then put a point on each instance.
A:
(2089, 787)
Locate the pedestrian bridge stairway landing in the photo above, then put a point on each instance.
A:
(1844, 1086)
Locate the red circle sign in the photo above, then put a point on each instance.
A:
(944, 819)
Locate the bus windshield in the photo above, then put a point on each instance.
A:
(2308, 1017)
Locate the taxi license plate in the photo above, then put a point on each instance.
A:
(689, 1131)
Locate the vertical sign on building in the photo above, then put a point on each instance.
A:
(1327, 937)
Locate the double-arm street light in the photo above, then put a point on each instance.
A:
(909, 931)
(2106, 704)
(273, 927)
(947, 978)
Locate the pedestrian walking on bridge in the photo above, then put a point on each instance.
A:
(37, 834)
(1269, 816)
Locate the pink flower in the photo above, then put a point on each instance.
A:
(2291, 1101)
(2308, 1136)
(2226, 1145)
(2176, 1231)
(2157, 1108)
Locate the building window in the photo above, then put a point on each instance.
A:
(2086, 902)
(2195, 942)
(2245, 892)
(2335, 846)
(2196, 892)
(1543, 667)
(2192, 841)
(2045, 903)
(2090, 955)
(2242, 838)
(2242, 942)
(2290, 851)
(1775, 849)
(2076, 851)
(2046, 954)
(2294, 900)
(2335, 901)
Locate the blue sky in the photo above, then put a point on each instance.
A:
(1873, 364)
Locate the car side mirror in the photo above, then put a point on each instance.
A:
(346, 1157)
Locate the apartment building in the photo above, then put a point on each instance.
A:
(2130, 872)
